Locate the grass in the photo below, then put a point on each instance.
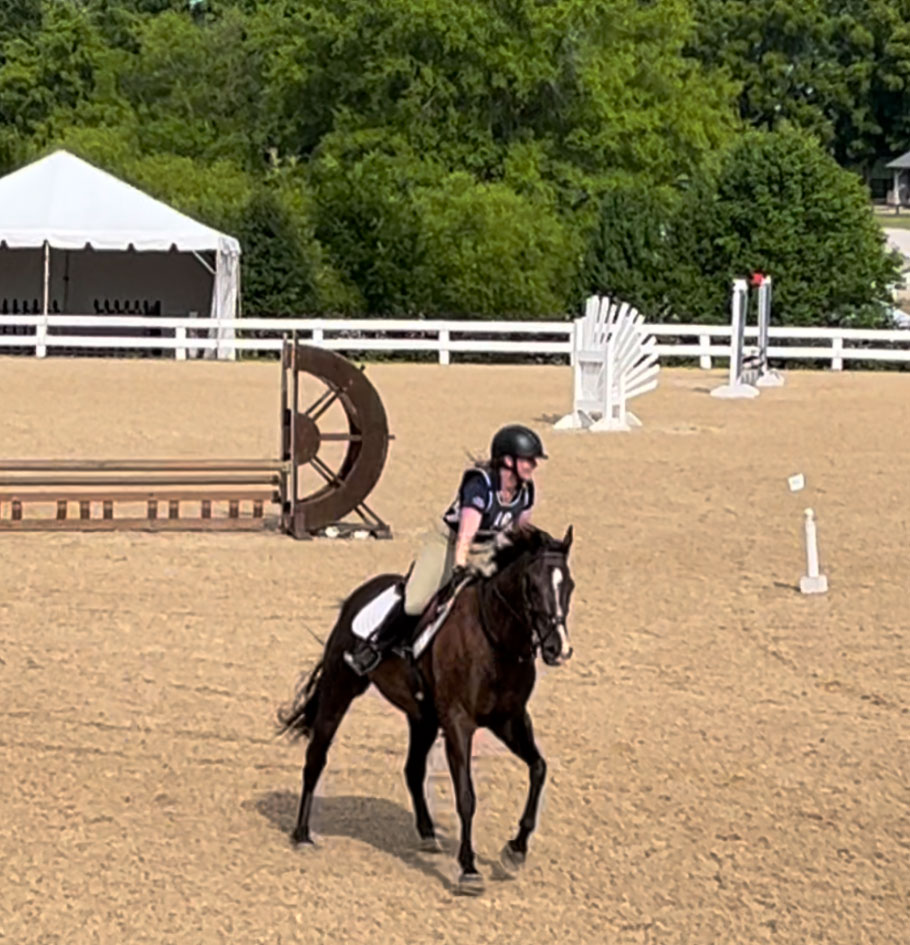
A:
(888, 219)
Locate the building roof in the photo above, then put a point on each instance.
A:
(900, 162)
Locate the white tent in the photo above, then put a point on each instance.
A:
(83, 242)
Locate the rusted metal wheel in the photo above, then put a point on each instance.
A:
(345, 483)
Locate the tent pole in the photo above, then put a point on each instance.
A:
(41, 330)
(66, 280)
(205, 264)
(47, 277)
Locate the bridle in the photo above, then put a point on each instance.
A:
(532, 617)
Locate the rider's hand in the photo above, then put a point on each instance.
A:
(461, 572)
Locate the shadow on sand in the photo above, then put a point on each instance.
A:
(382, 823)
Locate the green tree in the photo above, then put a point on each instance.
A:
(628, 248)
(494, 252)
(285, 269)
(45, 70)
(781, 205)
(17, 19)
(601, 86)
(839, 69)
(197, 89)
(216, 194)
(279, 274)
(366, 217)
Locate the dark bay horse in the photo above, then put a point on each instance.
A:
(478, 672)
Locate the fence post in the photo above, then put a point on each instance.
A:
(180, 336)
(191, 352)
(41, 328)
(318, 336)
(41, 338)
(704, 361)
(444, 346)
(837, 351)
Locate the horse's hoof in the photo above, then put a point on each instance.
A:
(512, 860)
(430, 845)
(469, 884)
(302, 839)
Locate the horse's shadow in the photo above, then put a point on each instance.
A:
(383, 824)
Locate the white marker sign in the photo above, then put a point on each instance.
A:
(797, 482)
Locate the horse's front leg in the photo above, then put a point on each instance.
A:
(518, 736)
(458, 733)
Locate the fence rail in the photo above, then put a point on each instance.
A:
(199, 337)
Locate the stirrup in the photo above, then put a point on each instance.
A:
(363, 658)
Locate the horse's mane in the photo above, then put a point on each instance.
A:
(528, 539)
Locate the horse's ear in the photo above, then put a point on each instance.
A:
(567, 540)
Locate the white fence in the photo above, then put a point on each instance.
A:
(189, 337)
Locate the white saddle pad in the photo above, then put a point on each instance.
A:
(371, 615)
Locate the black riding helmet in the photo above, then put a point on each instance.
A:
(518, 441)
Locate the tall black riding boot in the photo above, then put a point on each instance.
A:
(365, 655)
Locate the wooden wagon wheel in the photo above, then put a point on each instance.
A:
(367, 439)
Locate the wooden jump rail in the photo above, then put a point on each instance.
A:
(245, 487)
(237, 493)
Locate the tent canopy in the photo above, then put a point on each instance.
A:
(79, 238)
(69, 204)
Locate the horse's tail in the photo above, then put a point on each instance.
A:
(296, 720)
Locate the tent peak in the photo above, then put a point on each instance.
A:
(65, 201)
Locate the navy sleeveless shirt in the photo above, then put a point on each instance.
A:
(480, 490)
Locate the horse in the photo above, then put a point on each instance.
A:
(478, 671)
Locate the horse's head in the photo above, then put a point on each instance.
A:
(546, 586)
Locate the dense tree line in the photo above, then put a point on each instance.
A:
(497, 158)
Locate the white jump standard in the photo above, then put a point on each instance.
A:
(614, 361)
(749, 368)
(767, 376)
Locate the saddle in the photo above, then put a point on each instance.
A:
(432, 619)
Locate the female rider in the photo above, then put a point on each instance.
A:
(494, 496)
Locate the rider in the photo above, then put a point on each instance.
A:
(494, 496)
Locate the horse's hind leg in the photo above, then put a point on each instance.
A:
(517, 734)
(337, 690)
(423, 734)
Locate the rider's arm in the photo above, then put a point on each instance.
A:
(468, 525)
(524, 520)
